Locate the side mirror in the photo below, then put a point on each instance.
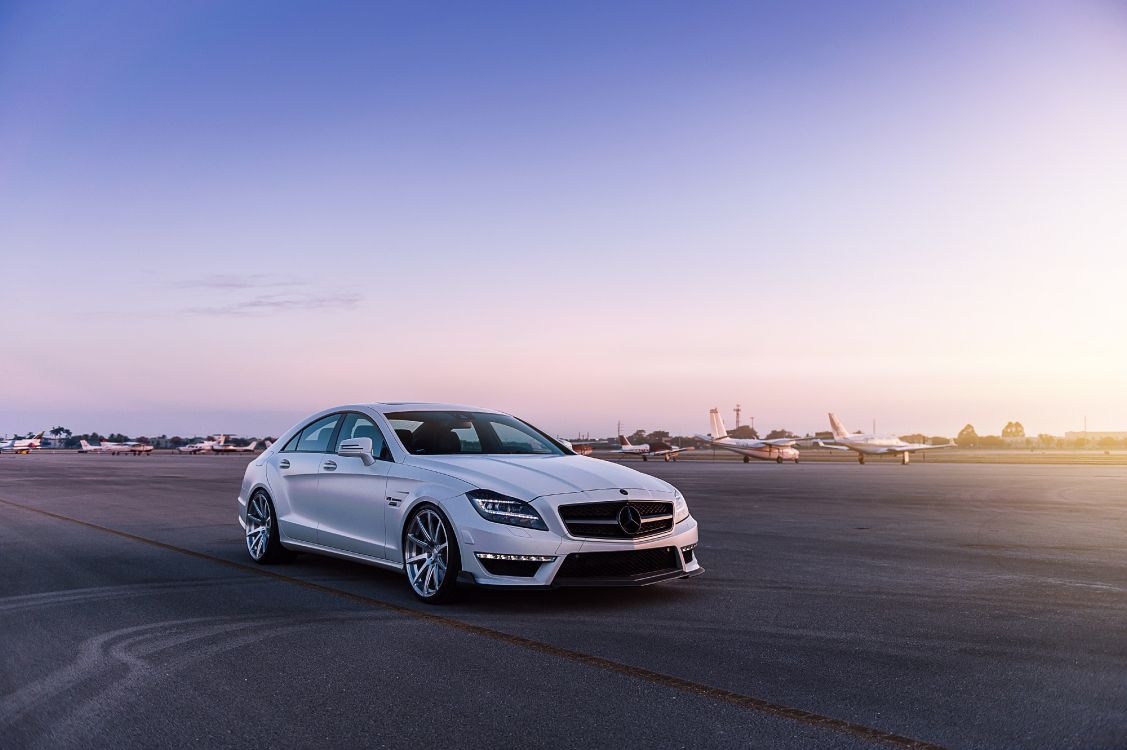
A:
(359, 447)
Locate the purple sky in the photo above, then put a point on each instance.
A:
(220, 217)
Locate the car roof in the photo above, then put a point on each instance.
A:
(384, 407)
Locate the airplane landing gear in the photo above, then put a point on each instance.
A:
(666, 459)
(860, 458)
(778, 459)
(905, 458)
(796, 460)
(645, 458)
(747, 459)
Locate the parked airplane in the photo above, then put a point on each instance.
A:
(204, 446)
(873, 444)
(777, 450)
(21, 446)
(645, 450)
(132, 447)
(85, 447)
(225, 448)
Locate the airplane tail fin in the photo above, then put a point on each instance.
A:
(222, 440)
(623, 441)
(838, 430)
(719, 431)
(85, 445)
(253, 445)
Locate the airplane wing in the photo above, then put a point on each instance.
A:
(913, 447)
(831, 446)
(780, 442)
(732, 444)
(905, 448)
(667, 451)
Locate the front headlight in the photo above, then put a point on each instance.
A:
(493, 506)
(680, 507)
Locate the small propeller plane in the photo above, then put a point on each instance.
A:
(646, 450)
(225, 447)
(777, 450)
(204, 446)
(873, 445)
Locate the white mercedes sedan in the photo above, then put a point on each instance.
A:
(455, 494)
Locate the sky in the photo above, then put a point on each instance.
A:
(223, 216)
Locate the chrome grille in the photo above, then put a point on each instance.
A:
(601, 520)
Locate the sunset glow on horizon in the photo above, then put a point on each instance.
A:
(218, 217)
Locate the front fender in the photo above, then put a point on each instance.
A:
(409, 487)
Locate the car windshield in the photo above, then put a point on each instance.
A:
(446, 433)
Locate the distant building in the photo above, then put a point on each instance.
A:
(1093, 437)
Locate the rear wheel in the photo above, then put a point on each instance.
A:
(860, 458)
(747, 460)
(263, 543)
(431, 555)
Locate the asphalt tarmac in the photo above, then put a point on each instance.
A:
(843, 606)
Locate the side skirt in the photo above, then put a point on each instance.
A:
(342, 554)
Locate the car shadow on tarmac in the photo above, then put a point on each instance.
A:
(391, 586)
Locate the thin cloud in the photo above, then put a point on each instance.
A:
(239, 281)
(269, 304)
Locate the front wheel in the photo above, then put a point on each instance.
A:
(747, 460)
(430, 555)
(263, 543)
(778, 459)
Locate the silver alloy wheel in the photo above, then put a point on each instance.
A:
(428, 553)
(260, 521)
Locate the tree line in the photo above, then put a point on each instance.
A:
(71, 440)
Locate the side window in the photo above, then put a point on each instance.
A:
(291, 444)
(315, 438)
(357, 425)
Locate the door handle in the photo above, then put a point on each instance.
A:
(329, 466)
(284, 463)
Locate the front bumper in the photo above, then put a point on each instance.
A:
(575, 562)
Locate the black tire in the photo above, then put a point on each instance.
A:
(747, 459)
(778, 459)
(796, 460)
(644, 458)
(860, 458)
(272, 552)
(448, 588)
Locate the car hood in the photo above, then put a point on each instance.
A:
(530, 477)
